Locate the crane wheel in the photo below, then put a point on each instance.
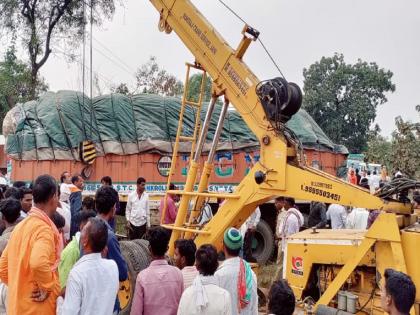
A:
(137, 258)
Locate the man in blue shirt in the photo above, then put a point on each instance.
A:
(106, 200)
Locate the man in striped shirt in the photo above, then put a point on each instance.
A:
(184, 257)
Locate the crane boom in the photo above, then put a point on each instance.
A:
(265, 107)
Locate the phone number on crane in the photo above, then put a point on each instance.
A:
(320, 192)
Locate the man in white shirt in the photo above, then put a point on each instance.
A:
(357, 219)
(93, 283)
(337, 214)
(235, 272)
(65, 192)
(374, 182)
(137, 211)
(205, 296)
(247, 230)
(292, 222)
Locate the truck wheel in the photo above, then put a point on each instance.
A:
(263, 242)
(137, 258)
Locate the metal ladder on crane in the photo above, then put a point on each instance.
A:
(181, 228)
(180, 134)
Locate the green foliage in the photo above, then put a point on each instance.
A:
(195, 85)
(121, 89)
(342, 98)
(15, 83)
(379, 149)
(406, 147)
(155, 80)
(39, 25)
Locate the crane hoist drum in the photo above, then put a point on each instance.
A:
(280, 99)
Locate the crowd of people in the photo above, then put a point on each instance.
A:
(371, 180)
(60, 255)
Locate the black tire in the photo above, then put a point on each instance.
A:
(137, 258)
(263, 242)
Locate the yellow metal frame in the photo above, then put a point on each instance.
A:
(284, 173)
(179, 133)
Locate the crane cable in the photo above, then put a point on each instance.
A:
(259, 40)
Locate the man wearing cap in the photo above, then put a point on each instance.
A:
(235, 276)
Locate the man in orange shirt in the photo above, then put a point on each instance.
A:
(29, 263)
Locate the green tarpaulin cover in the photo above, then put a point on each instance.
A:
(54, 126)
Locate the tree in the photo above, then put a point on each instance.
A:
(342, 98)
(195, 85)
(15, 82)
(122, 88)
(379, 149)
(155, 80)
(406, 147)
(40, 24)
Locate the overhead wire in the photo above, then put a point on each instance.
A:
(114, 55)
(259, 40)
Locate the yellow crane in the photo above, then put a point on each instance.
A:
(265, 106)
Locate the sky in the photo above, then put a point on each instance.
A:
(297, 33)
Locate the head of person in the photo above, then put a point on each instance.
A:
(94, 236)
(206, 260)
(19, 184)
(13, 192)
(84, 217)
(232, 242)
(352, 172)
(279, 203)
(45, 194)
(65, 177)
(398, 292)
(58, 221)
(88, 203)
(27, 198)
(375, 173)
(106, 181)
(172, 187)
(158, 241)
(289, 203)
(184, 254)
(105, 201)
(281, 300)
(10, 210)
(357, 171)
(368, 173)
(364, 183)
(78, 181)
(141, 185)
(364, 173)
(416, 199)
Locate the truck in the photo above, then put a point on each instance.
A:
(39, 135)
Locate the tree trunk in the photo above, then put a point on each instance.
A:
(33, 83)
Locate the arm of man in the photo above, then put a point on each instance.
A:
(39, 260)
(68, 258)
(128, 208)
(227, 310)
(323, 215)
(73, 298)
(114, 253)
(257, 218)
(171, 209)
(4, 267)
(147, 211)
(137, 305)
